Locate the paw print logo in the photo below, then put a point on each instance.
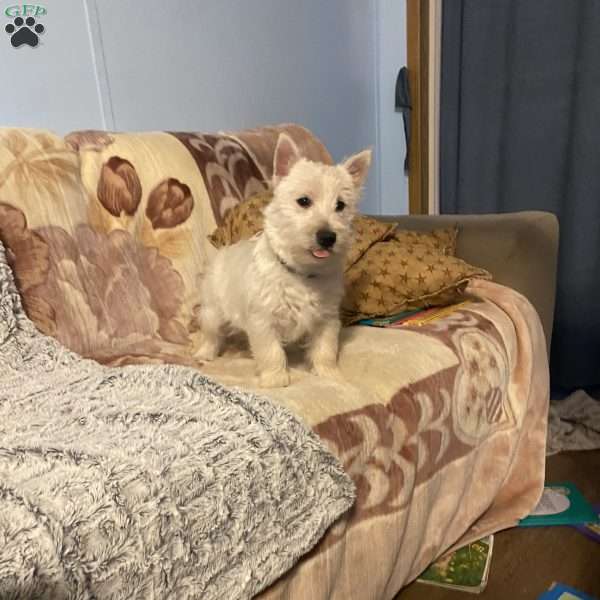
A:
(24, 31)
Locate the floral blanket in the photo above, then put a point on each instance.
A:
(442, 427)
(443, 430)
(147, 481)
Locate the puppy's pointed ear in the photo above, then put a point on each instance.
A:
(358, 167)
(286, 156)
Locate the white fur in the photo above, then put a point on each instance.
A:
(248, 288)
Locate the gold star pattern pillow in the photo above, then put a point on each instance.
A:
(406, 272)
(443, 240)
(241, 221)
(367, 232)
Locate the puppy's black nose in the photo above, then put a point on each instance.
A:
(326, 238)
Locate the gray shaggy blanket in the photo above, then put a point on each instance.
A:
(147, 481)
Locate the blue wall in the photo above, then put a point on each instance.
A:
(391, 49)
(220, 64)
(54, 84)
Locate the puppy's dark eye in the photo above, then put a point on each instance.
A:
(304, 202)
(340, 205)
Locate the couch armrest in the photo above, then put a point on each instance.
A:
(520, 250)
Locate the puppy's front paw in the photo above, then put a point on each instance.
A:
(329, 371)
(274, 379)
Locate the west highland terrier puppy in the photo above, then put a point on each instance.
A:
(285, 285)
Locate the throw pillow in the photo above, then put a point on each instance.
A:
(395, 275)
(241, 221)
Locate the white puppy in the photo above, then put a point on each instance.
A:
(285, 285)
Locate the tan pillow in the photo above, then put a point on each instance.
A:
(241, 221)
(394, 276)
(442, 240)
(367, 231)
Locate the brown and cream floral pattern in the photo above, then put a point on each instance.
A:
(426, 479)
(29, 257)
(170, 203)
(238, 166)
(125, 291)
(480, 386)
(259, 144)
(119, 188)
(35, 166)
(428, 424)
(230, 174)
(99, 294)
(89, 139)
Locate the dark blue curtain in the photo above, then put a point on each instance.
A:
(520, 129)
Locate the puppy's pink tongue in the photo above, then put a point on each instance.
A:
(320, 253)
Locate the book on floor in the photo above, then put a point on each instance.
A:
(591, 529)
(560, 591)
(466, 569)
(560, 504)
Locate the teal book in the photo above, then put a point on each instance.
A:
(560, 504)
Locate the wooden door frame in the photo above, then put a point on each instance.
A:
(417, 38)
(423, 36)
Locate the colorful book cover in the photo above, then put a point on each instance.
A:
(466, 569)
(559, 591)
(416, 317)
(387, 321)
(560, 504)
(591, 530)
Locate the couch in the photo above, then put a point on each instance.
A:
(442, 427)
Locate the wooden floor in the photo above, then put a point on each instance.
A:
(526, 561)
